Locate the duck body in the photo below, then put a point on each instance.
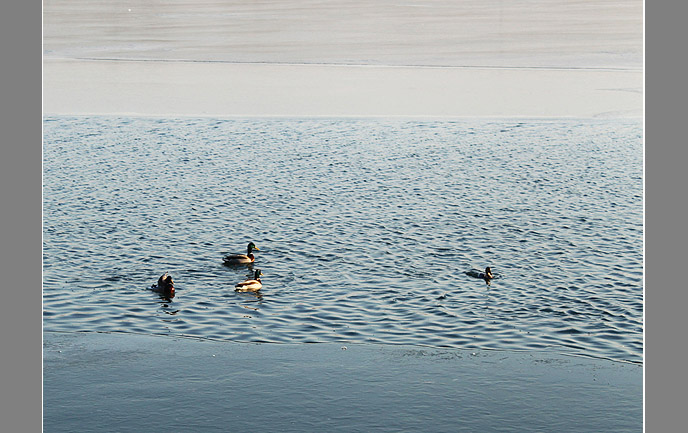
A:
(251, 284)
(165, 285)
(242, 259)
(239, 259)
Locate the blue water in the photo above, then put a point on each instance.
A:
(366, 229)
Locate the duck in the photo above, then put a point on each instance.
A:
(487, 276)
(165, 285)
(242, 259)
(250, 284)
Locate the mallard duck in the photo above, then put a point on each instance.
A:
(251, 284)
(242, 259)
(165, 285)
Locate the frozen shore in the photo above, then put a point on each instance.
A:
(160, 88)
(311, 58)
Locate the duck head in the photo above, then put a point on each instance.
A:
(251, 246)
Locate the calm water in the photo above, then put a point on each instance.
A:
(366, 229)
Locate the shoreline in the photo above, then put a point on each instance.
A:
(348, 64)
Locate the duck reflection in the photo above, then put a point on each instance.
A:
(165, 309)
(248, 266)
(251, 297)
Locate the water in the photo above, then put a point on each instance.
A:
(366, 229)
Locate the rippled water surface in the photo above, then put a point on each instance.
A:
(366, 229)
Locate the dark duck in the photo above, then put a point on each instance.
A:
(164, 286)
(486, 276)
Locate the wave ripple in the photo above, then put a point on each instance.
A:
(366, 230)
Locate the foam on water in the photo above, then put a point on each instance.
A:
(366, 228)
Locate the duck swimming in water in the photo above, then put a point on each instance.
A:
(164, 286)
(487, 276)
(250, 284)
(242, 259)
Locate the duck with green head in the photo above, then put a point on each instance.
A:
(242, 259)
(250, 284)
